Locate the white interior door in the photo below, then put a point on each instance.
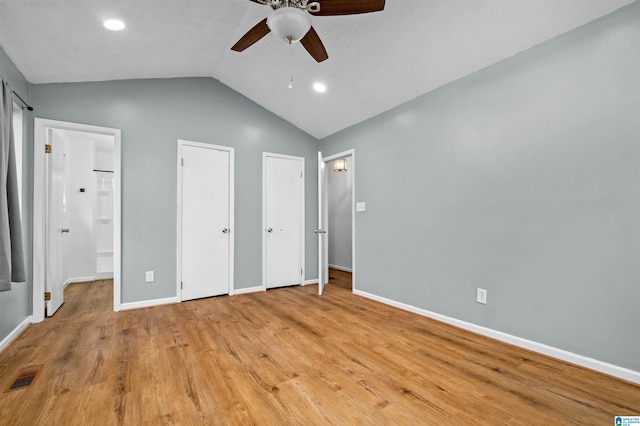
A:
(283, 217)
(56, 224)
(323, 254)
(205, 215)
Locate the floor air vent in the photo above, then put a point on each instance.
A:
(25, 378)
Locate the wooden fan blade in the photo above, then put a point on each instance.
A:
(253, 35)
(311, 41)
(348, 7)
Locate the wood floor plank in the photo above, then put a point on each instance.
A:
(287, 356)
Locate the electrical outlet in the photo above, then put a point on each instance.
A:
(150, 277)
(481, 296)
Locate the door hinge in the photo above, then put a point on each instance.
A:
(301, 272)
(47, 149)
(300, 174)
(182, 162)
(47, 296)
(181, 285)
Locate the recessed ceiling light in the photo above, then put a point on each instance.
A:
(114, 24)
(319, 87)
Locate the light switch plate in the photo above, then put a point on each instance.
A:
(361, 206)
(150, 276)
(481, 296)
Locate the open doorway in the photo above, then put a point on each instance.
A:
(87, 186)
(76, 210)
(340, 208)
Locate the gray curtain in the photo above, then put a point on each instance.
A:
(12, 267)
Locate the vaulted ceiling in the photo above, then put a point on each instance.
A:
(376, 61)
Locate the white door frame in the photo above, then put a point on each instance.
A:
(346, 154)
(39, 211)
(264, 214)
(232, 228)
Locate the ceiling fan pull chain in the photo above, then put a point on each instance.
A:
(290, 67)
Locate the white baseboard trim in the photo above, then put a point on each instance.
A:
(247, 290)
(340, 268)
(307, 282)
(78, 280)
(103, 275)
(15, 333)
(148, 303)
(583, 361)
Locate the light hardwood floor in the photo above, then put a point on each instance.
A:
(287, 356)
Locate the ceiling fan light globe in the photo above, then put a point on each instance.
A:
(289, 23)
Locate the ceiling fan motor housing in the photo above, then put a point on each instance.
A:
(300, 4)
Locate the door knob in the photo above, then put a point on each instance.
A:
(225, 230)
(65, 230)
(269, 230)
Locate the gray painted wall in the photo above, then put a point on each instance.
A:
(15, 305)
(521, 179)
(152, 115)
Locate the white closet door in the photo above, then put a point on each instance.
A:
(283, 211)
(206, 218)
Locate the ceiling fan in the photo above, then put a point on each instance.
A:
(290, 21)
